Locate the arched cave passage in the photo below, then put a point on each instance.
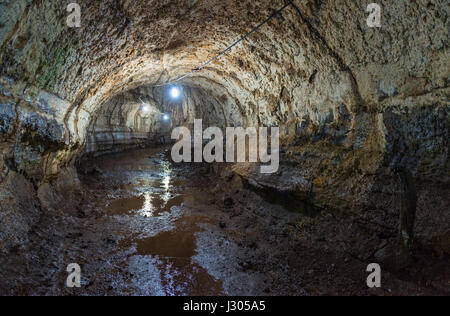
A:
(364, 129)
(148, 114)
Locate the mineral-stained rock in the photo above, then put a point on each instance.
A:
(7, 117)
(353, 103)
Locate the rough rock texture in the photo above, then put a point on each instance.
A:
(355, 105)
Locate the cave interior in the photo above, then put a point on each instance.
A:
(87, 177)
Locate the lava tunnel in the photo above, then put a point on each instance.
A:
(136, 138)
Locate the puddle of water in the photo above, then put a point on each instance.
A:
(179, 275)
(147, 205)
(126, 205)
(159, 191)
(178, 244)
(157, 204)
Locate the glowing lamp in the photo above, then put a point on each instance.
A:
(175, 92)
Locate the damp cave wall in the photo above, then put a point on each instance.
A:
(354, 104)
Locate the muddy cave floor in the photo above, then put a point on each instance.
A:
(146, 226)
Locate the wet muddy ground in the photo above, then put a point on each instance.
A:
(148, 227)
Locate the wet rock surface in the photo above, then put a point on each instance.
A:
(357, 108)
(146, 226)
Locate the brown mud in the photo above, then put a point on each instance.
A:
(149, 227)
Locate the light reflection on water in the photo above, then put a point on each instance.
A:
(148, 208)
(166, 182)
(154, 189)
(166, 186)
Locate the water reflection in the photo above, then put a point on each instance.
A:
(144, 195)
(166, 181)
(156, 202)
(174, 251)
(147, 209)
(166, 186)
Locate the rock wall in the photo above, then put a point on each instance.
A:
(356, 105)
(118, 126)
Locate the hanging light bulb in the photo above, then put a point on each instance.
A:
(166, 117)
(175, 92)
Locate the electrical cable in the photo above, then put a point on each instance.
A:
(276, 13)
